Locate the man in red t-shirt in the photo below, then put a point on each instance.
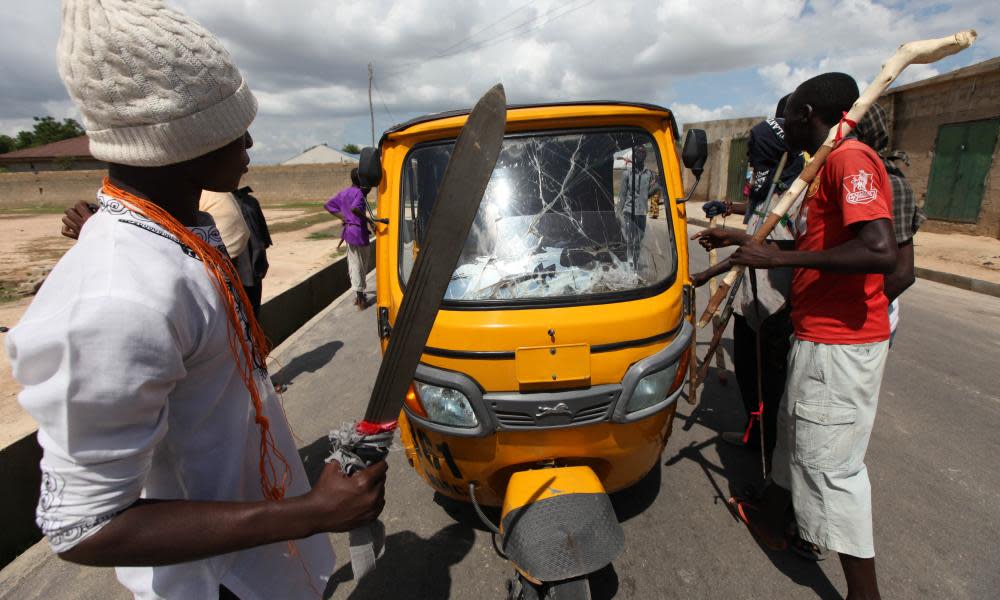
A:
(844, 247)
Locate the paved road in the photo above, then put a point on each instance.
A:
(932, 461)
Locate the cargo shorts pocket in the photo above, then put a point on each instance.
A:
(824, 435)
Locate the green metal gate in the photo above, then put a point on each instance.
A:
(963, 154)
(737, 169)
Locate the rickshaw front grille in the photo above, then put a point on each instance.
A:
(542, 411)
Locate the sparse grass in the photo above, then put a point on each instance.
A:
(9, 292)
(306, 220)
(31, 210)
(317, 204)
(325, 234)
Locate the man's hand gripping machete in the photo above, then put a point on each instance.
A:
(465, 178)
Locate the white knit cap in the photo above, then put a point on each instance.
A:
(154, 87)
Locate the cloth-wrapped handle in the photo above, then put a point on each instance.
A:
(356, 451)
(367, 544)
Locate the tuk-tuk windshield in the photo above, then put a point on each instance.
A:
(564, 215)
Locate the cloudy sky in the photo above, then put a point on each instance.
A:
(307, 59)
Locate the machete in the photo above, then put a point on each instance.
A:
(462, 187)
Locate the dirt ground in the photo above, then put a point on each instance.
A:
(969, 255)
(305, 240)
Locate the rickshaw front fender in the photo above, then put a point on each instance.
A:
(558, 523)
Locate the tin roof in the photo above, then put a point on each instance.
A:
(78, 147)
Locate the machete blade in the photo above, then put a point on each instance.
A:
(462, 187)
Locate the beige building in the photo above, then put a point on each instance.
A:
(948, 126)
(727, 158)
(322, 154)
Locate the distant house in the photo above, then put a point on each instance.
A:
(322, 154)
(65, 155)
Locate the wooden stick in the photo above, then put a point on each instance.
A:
(692, 397)
(920, 52)
(713, 285)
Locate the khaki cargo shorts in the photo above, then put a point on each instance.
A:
(824, 424)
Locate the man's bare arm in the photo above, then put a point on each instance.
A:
(701, 278)
(871, 250)
(159, 532)
(903, 275)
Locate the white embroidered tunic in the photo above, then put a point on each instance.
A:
(126, 367)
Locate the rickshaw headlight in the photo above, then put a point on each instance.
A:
(446, 406)
(651, 389)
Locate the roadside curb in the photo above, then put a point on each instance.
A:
(960, 281)
(964, 282)
(278, 351)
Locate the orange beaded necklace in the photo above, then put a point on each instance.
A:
(248, 349)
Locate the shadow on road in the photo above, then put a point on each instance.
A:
(314, 457)
(739, 469)
(633, 501)
(307, 362)
(412, 567)
(603, 583)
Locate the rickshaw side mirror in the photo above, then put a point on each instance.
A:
(370, 167)
(695, 151)
(694, 154)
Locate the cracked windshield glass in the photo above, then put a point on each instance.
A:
(566, 215)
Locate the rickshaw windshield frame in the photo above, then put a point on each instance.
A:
(407, 212)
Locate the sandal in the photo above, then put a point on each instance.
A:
(741, 509)
(805, 548)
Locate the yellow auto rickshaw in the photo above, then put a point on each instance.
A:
(552, 372)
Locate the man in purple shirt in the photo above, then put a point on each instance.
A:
(349, 206)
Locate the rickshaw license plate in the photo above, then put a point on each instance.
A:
(553, 365)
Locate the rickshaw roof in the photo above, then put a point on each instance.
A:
(401, 127)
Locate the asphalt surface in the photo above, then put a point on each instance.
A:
(932, 460)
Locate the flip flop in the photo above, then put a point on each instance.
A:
(805, 548)
(769, 541)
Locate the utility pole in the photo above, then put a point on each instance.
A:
(371, 107)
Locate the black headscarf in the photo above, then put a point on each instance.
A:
(765, 148)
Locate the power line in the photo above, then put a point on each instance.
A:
(490, 26)
(384, 105)
(530, 24)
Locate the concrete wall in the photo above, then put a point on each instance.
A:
(271, 184)
(716, 175)
(919, 109)
(53, 165)
(280, 317)
(18, 496)
(280, 184)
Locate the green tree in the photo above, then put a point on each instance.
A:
(351, 149)
(7, 144)
(45, 131)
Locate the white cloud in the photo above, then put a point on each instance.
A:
(692, 113)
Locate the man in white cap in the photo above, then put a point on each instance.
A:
(166, 452)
